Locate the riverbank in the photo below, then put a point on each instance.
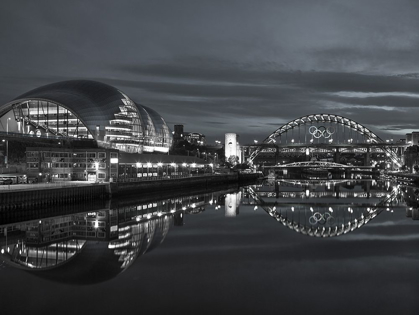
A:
(34, 196)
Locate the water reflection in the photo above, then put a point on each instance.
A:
(326, 217)
(95, 246)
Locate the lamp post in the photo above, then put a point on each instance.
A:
(97, 168)
(6, 160)
(174, 168)
(137, 165)
(86, 168)
(148, 168)
(159, 165)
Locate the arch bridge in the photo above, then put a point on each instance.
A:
(326, 132)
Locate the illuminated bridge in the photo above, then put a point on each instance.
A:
(329, 135)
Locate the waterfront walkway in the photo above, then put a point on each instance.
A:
(40, 186)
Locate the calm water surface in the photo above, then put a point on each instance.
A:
(289, 247)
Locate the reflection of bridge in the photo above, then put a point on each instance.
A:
(320, 194)
(323, 220)
(327, 133)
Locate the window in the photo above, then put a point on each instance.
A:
(102, 155)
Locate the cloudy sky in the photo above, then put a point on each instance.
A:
(226, 66)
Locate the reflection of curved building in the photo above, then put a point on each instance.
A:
(91, 247)
(89, 261)
(83, 109)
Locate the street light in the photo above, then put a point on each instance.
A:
(174, 167)
(159, 165)
(137, 165)
(6, 160)
(97, 168)
(148, 168)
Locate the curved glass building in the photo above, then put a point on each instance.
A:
(82, 109)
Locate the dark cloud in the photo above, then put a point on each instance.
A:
(240, 63)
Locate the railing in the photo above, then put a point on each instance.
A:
(58, 184)
(151, 178)
(51, 136)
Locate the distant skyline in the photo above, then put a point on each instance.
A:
(226, 66)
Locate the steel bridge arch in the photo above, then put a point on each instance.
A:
(326, 118)
(313, 164)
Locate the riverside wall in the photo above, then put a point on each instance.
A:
(48, 197)
(208, 181)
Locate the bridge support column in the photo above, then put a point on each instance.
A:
(307, 154)
(367, 158)
(415, 214)
(367, 189)
(337, 155)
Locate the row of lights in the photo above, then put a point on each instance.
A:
(137, 164)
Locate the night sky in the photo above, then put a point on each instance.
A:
(226, 66)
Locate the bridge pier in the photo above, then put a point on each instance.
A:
(367, 157)
(337, 156)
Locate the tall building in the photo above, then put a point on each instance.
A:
(412, 138)
(177, 134)
(195, 138)
(232, 147)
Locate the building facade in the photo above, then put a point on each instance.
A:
(54, 164)
(82, 109)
